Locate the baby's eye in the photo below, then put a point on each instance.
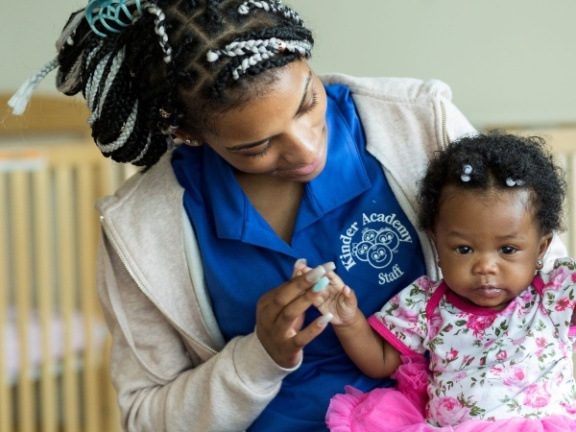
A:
(464, 250)
(508, 250)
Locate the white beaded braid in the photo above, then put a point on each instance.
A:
(258, 50)
(160, 30)
(124, 133)
(20, 99)
(92, 85)
(93, 93)
(66, 37)
(93, 90)
(143, 152)
(274, 6)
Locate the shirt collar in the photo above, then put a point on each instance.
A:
(344, 176)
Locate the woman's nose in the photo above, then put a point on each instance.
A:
(298, 148)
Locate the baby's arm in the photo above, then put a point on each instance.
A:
(366, 348)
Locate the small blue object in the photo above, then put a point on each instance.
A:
(111, 15)
(321, 284)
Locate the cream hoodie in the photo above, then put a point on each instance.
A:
(170, 365)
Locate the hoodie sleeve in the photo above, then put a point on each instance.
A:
(163, 383)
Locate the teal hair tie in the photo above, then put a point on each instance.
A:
(111, 15)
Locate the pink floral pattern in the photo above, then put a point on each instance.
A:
(449, 410)
(491, 364)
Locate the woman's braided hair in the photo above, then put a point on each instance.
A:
(177, 64)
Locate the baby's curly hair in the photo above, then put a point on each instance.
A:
(496, 161)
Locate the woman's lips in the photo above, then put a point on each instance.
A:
(302, 171)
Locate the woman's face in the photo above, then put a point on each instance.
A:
(280, 133)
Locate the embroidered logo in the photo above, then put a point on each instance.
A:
(374, 243)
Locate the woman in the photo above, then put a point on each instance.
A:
(277, 164)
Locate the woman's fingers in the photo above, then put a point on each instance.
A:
(287, 349)
(300, 266)
(280, 313)
(295, 287)
(309, 333)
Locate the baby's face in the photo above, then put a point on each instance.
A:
(488, 244)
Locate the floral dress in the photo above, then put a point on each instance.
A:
(484, 365)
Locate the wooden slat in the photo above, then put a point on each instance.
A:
(561, 138)
(67, 295)
(6, 406)
(46, 114)
(19, 192)
(87, 233)
(43, 223)
(93, 409)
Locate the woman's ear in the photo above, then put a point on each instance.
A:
(181, 135)
(185, 138)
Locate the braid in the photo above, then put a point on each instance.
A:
(160, 30)
(274, 6)
(213, 18)
(99, 68)
(150, 67)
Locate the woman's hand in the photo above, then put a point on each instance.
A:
(280, 315)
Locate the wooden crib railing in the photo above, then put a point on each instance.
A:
(54, 371)
(48, 306)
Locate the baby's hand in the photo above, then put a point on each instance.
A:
(336, 298)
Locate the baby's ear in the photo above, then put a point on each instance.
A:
(545, 241)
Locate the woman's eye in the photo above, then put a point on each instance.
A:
(311, 105)
(260, 154)
(508, 250)
(464, 250)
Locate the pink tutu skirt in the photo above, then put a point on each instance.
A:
(401, 409)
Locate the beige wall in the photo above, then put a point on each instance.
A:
(511, 61)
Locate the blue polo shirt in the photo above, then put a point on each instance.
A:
(348, 215)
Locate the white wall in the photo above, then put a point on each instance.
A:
(508, 62)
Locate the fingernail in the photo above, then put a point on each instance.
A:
(321, 284)
(325, 319)
(329, 266)
(315, 274)
(300, 262)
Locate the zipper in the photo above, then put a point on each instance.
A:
(162, 311)
(446, 141)
(444, 132)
